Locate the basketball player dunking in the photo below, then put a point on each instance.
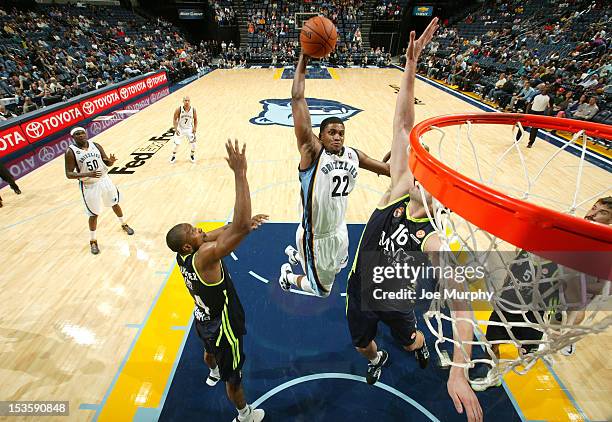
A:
(219, 316)
(399, 226)
(88, 162)
(327, 173)
(185, 124)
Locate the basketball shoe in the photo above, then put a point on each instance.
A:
(374, 370)
(422, 354)
(213, 377)
(292, 254)
(253, 415)
(283, 280)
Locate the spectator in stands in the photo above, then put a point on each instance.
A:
(586, 111)
(507, 92)
(497, 89)
(4, 113)
(560, 107)
(519, 101)
(573, 106)
(29, 105)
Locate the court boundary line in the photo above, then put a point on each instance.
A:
(132, 345)
(340, 375)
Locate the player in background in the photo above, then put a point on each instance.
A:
(327, 171)
(553, 281)
(87, 162)
(219, 316)
(185, 125)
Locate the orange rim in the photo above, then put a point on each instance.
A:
(562, 238)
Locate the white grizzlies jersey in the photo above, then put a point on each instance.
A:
(90, 160)
(326, 185)
(186, 119)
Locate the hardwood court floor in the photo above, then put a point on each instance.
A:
(66, 316)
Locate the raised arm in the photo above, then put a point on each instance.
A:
(458, 386)
(403, 120)
(307, 142)
(210, 253)
(370, 164)
(256, 221)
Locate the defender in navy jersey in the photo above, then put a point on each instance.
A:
(87, 162)
(327, 171)
(397, 227)
(553, 288)
(219, 316)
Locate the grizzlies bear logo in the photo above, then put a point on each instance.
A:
(278, 111)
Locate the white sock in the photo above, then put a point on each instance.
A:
(121, 220)
(92, 235)
(215, 372)
(304, 284)
(243, 413)
(376, 359)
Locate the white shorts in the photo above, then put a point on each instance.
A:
(322, 257)
(100, 194)
(184, 133)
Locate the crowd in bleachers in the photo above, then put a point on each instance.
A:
(388, 10)
(510, 53)
(52, 53)
(274, 33)
(224, 12)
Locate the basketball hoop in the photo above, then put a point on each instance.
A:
(488, 217)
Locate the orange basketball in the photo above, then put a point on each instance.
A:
(318, 37)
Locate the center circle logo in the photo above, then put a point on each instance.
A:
(123, 93)
(88, 107)
(35, 129)
(45, 154)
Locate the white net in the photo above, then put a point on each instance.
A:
(537, 306)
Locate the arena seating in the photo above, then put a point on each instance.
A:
(562, 44)
(389, 10)
(273, 33)
(224, 12)
(52, 53)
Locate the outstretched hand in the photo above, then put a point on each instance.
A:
(112, 159)
(464, 399)
(235, 158)
(415, 47)
(258, 220)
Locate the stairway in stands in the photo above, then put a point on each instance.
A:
(242, 19)
(366, 23)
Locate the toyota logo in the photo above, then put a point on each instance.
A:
(96, 128)
(35, 129)
(123, 92)
(89, 107)
(150, 83)
(45, 154)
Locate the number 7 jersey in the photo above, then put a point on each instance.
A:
(325, 187)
